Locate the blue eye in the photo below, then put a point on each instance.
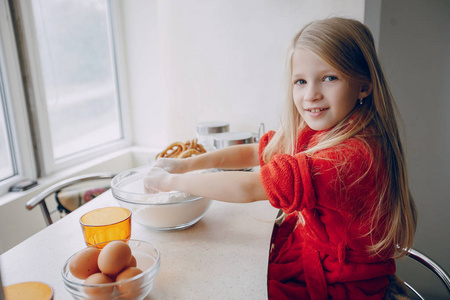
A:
(330, 78)
(300, 82)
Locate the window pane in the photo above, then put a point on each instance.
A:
(6, 159)
(77, 62)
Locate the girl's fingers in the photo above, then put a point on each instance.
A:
(153, 179)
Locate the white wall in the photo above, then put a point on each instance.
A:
(194, 61)
(414, 47)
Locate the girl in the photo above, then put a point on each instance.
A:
(336, 168)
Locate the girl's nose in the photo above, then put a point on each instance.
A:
(313, 93)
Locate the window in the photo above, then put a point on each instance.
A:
(7, 161)
(70, 53)
(60, 102)
(15, 161)
(78, 74)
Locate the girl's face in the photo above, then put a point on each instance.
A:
(323, 96)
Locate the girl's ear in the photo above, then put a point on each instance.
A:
(365, 91)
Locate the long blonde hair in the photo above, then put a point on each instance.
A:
(347, 45)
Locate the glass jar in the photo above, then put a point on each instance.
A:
(206, 130)
(227, 139)
(223, 140)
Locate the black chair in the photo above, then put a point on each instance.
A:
(58, 188)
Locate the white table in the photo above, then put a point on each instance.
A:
(223, 256)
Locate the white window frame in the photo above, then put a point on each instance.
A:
(22, 147)
(38, 103)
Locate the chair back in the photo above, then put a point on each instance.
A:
(57, 189)
(431, 265)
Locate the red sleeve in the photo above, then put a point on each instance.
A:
(287, 181)
(263, 141)
(286, 178)
(293, 183)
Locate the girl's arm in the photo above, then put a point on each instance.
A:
(237, 187)
(234, 157)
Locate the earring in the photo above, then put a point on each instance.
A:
(361, 101)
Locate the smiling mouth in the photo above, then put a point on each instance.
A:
(316, 110)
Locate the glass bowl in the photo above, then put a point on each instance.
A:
(148, 260)
(160, 211)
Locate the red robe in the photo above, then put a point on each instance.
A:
(326, 257)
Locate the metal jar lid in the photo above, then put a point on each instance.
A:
(212, 127)
(226, 139)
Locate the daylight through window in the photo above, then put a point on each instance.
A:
(78, 74)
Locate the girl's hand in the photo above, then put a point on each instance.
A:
(172, 165)
(154, 179)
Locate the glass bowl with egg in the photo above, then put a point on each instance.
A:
(160, 211)
(120, 269)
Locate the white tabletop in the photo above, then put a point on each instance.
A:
(223, 256)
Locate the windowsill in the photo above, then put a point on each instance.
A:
(118, 161)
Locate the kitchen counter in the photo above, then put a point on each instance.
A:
(223, 256)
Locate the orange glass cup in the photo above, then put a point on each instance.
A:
(106, 224)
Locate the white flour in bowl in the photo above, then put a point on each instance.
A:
(167, 211)
(172, 215)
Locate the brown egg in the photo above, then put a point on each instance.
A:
(129, 288)
(133, 262)
(84, 264)
(114, 257)
(99, 278)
